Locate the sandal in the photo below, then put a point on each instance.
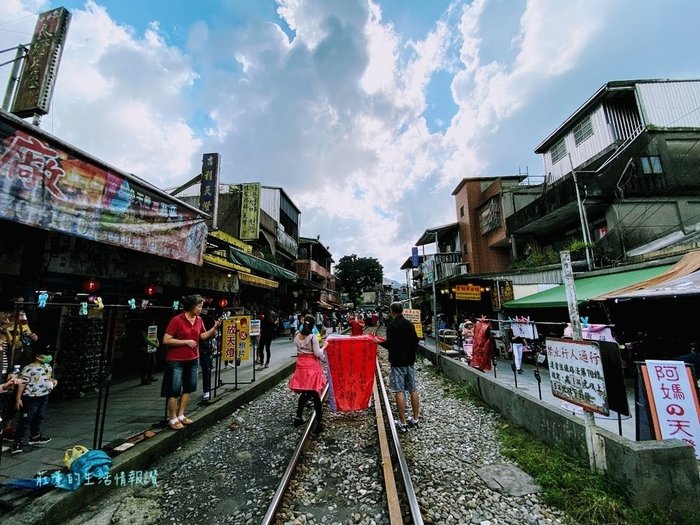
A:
(175, 424)
(185, 420)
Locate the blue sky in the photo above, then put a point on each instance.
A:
(367, 112)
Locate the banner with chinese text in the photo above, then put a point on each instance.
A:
(48, 187)
(250, 212)
(413, 315)
(673, 398)
(351, 363)
(236, 338)
(209, 186)
(576, 374)
(467, 292)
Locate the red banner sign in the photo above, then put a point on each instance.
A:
(351, 362)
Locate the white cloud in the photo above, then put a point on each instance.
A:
(119, 96)
(335, 114)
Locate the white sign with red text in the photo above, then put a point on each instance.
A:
(674, 402)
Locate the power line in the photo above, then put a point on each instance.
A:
(17, 19)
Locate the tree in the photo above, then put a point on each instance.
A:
(357, 274)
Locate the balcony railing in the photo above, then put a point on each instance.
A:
(287, 242)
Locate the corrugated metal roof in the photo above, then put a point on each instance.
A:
(600, 94)
(670, 105)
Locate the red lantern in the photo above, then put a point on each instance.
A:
(223, 303)
(91, 285)
(150, 290)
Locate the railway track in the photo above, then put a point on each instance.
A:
(399, 495)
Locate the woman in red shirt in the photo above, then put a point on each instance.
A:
(181, 339)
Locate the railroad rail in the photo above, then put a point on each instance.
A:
(384, 420)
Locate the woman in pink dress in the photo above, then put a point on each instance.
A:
(308, 378)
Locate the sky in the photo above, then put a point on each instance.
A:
(367, 112)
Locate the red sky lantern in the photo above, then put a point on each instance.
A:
(91, 285)
(223, 303)
(150, 290)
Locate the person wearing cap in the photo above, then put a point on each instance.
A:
(31, 398)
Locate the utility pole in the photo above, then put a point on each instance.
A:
(435, 324)
(582, 217)
(596, 458)
(14, 74)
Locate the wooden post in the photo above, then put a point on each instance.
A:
(596, 456)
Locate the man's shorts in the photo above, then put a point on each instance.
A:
(179, 377)
(402, 378)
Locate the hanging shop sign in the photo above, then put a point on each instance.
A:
(211, 279)
(236, 338)
(576, 373)
(255, 280)
(501, 292)
(209, 186)
(38, 77)
(428, 270)
(415, 260)
(250, 212)
(49, 187)
(413, 315)
(675, 411)
(467, 292)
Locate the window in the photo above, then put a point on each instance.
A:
(558, 151)
(461, 211)
(651, 165)
(583, 130)
(490, 216)
(465, 249)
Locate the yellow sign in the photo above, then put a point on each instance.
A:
(236, 338)
(414, 317)
(258, 281)
(467, 292)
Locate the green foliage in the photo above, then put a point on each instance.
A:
(588, 498)
(577, 249)
(357, 274)
(536, 260)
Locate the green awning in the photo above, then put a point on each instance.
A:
(256, 263)
(586, 288)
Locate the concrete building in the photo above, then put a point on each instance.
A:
(620, 172)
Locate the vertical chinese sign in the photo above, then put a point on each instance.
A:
(209, 187)
(576, 374)
(38, 76)
(236, 339)
(250, 212)
(673, 398)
